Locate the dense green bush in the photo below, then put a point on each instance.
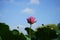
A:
(44, 32)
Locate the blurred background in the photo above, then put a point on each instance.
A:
(15, 12)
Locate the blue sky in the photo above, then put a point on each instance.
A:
(15, 12)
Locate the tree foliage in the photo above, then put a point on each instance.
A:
(44, 32)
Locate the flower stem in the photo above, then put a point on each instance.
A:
(30, 30)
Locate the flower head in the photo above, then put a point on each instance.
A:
(31, 20)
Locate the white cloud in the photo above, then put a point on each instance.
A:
(34, 2)
(28, 10)
(21, 2)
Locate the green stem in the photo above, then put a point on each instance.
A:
(30, 30)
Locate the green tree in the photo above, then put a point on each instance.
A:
(15, 32)
(58, 26)
(4, 31)
(7, 34)
(45, 33)
(52, 26)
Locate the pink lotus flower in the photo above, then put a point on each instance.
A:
(31, 20)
